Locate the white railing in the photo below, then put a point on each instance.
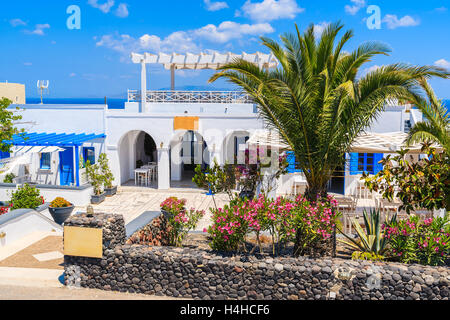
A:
(191, 96)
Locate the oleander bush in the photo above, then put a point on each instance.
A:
(281, 218)
(180, 220)
(415, 241)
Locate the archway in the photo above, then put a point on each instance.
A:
(188, 150)
(136, 149)
(234, 147)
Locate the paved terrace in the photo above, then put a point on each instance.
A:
(132, 201)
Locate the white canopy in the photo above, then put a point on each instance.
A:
(30, 149)
(365, 143)
(203, 60)
(384, 143)
(267, 138)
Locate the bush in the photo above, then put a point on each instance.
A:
(9, 178)
(414, 241)
(26, 197)
(280, 217)
(105, 171)
(60, 203)
(181, 221)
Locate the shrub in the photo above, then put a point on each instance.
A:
(9, 178)
(414, 241)
(358, 255)
(26, 197)
(280, 217)
(60, 203)
(105, 171)
(181, 221)
(95, 177)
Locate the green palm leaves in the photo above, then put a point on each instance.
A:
(316, 99)
(437, 127)
(370, 240)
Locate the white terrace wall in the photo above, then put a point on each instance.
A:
(65, 118)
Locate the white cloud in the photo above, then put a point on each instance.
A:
(28, 64)
(181, 41)
(441, 9)
(370, 69)
(17, 22)
(443, 64)
(39, 29)
(320, 28)
(229, 30)
(269, 10)
(394, 22)
(122, 10)
(215, 6)
(103, 7)
(357, 5)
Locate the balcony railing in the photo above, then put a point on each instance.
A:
(190, 97)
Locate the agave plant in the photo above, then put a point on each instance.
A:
(371, 240)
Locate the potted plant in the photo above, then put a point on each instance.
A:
(60, 209)
(9, 178)
(96, 180)
(26, 197)
(108, 177)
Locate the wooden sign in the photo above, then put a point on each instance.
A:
(83, 242)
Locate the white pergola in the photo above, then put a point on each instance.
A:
(365, 143)
(191, 61)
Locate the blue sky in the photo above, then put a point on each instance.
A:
(94, 61)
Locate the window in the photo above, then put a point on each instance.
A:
(45, 161)
(89, 154)
(365, 162)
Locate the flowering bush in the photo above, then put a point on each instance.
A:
(280, 217)
(315, 224)
(181, 221)
(5, 209)
(414, 241)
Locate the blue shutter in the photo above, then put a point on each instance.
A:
(292, 162)
(377, 166)
(354, 163)
(4, 155)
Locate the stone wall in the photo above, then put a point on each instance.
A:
(191, 273)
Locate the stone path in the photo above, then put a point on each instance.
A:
(131, 202)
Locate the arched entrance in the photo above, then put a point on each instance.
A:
(187, 150)
(234, 146)
(136, 149)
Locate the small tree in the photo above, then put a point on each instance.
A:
(105, 171)
(419, 185)
(7, 119)
(96, 179)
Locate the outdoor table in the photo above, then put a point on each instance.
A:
(138, 172)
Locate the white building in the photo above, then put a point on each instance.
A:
(172, 128)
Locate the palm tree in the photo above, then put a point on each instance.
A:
(316, 101)
(437, 127)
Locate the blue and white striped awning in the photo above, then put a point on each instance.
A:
(53, 139)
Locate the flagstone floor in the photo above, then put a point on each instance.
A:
(131, 201)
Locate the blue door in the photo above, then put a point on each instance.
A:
(66, 167)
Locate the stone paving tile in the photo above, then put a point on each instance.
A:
(132, 201)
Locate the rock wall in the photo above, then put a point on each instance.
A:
(191, 273)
